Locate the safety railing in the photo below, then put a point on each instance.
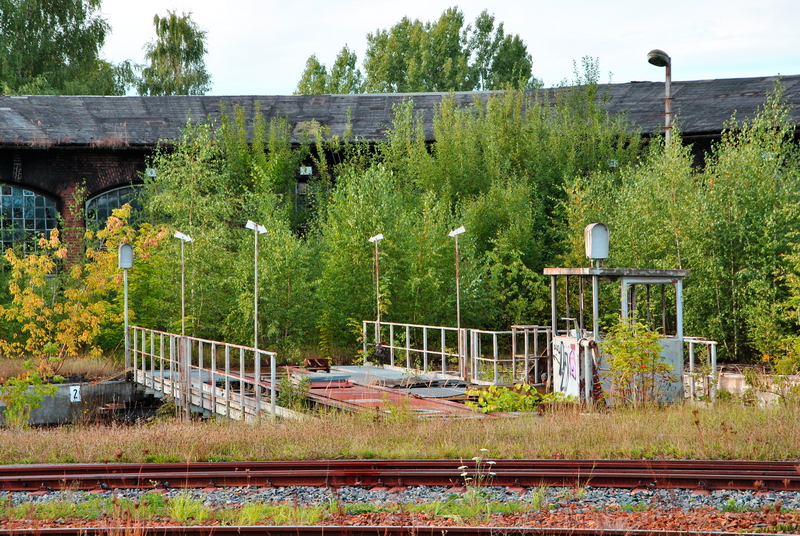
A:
(707, 376)
(416, 346)
(207, 376)
(499, 364)
(530, 345)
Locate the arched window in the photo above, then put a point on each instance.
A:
(99, 207)
(24, 214)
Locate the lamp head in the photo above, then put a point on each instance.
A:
(659, 58)
(125, 256)
(184, 237)
(376, 238)
(253, 226)
(456, 232)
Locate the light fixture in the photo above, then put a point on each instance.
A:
(375, 239)
(456, 232)
(125, 262)
(461, 362)
(257, 230)
(184, 238)
(659, 58)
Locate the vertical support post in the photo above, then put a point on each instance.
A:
(255, 288)
(127, 327)
(161, 356)
(691, 371)
(679, 309)
(713, 378)
(461, 361)
(273, 379)
(227, 381)
(135, 346)
(183, 293)
(553, 304)
(425, 349)
(391, 344)
(495, 356)
(186, 346)
(257, 383)
(408, 346)
(364, 337)
(214, 378)
(241, 384)
(444, 350)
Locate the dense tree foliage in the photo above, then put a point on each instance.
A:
(176, 59)
(413, 56)
(344, 76)
(731, 223)
(53, 47)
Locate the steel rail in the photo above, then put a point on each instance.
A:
(358, 530)
(693, 474)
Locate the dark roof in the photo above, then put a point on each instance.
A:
(701, 108)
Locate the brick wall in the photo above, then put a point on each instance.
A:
(64, 174)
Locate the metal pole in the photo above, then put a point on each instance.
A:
(668, 104)
(127, 329)
(461, 368)
(377, 294)
(183, 297)
(255, 292)
(273, 378)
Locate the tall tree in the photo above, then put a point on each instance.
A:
(176, 58)
(415, 56)
(53, 47)
(344, 76)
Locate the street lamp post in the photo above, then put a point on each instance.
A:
(257, 230)
(183, 238)
(126, 262)
(375, 239)
(461, 365)
(659, 58)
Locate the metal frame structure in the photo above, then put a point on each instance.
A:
(504, 361)
(168, 364)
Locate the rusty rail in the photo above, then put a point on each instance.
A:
(698, 475)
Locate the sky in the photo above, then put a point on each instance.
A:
(260, 47)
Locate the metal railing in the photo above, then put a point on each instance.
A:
(529, 339)
(415, 346)
(502, 365)
(209, 376)
(708, 378)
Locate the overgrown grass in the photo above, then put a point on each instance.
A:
(87, 367)
(681, 431)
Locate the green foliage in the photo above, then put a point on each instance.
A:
(416, 56)
(732, 223)
(176, 59)
(293, 395)
(23, 393)
(53, 47)
(635, 366)
(344, 76)
(518, 398)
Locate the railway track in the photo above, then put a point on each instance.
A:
(332, 530)
(697, 475)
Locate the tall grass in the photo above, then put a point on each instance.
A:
(681, 431)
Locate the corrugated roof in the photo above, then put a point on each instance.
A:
(701, 107)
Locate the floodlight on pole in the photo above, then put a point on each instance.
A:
(659, 58)
(125, 263)
(375, 239)
(183, 238)
(257, 230)
(462, 370)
